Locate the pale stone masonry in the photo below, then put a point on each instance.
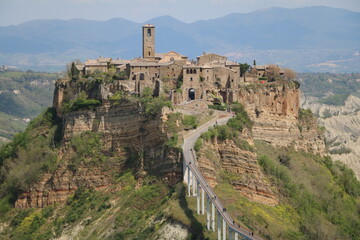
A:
(173, 73)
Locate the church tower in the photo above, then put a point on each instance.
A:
(148, 41)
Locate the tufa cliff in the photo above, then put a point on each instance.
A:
(274, 109)
(127, 139)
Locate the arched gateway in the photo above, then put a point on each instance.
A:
(191, 94)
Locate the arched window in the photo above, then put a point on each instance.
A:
(149, 32)
(191, 71)
(149, 53)
(194, 70)
(191, 79)
(187, 71)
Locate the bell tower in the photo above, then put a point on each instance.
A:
(148, 41)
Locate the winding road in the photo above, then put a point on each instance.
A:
(190, 161)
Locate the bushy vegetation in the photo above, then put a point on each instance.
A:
(152, 105)
(217, 107)
(231, 130)
(190, 121)
(325, 195)
(118, 98)
(30, 154)
(87, 149)
(81, 102)
(336, 100)
(342, 150)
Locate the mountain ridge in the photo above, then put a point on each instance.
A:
(323, 30)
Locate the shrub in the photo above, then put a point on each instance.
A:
(284, 159)
(87, 147)
(224, 132)
(85, 104)
(342, 150)
(151, 106)
(29, 155)
(190, 121)
(217, 107)
(173, 141)
(198, 144)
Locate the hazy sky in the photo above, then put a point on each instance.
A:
(18, 11)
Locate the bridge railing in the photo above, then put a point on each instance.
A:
(191, 171)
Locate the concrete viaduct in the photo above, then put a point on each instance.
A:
(198, 187)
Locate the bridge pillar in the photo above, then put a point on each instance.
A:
(202, 201)
(218, 225)
(236, 236)
(189, 179)
(208, 215)
(198, 198)
(194, 184)
(230, 233)
(212, 216)
(224, 229)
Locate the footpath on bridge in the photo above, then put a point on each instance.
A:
(198, 186)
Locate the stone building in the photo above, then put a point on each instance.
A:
(211, 75)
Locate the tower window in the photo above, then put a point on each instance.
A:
(149, 32)
(149, 53)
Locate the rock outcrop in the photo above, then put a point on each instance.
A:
(239, 166)
(125, 132)
(274, 110)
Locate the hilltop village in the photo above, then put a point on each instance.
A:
(209, 77)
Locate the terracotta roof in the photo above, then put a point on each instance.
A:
(261, 67)
(204, 54)
(106, 60)
(147, 64)
(119, 61)
(231, 63)
(91, 62)
(191, 66)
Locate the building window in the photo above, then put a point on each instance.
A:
(191, 71)
(142, 76)
(187, 71)
(191, 79)
(134, 77)
(149, 32)
(149, 53)
(194, 70)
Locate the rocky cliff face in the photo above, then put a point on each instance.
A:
(274, 110)
(224, 160)
(128, 138)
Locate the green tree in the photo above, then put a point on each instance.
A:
(244, 67)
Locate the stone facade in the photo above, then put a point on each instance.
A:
(149, 41)
(210, 75)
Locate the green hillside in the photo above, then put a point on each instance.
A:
(23, 95)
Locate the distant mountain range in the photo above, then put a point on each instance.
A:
(306, 39)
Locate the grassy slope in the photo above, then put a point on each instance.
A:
(129, 213)
(319, 199)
